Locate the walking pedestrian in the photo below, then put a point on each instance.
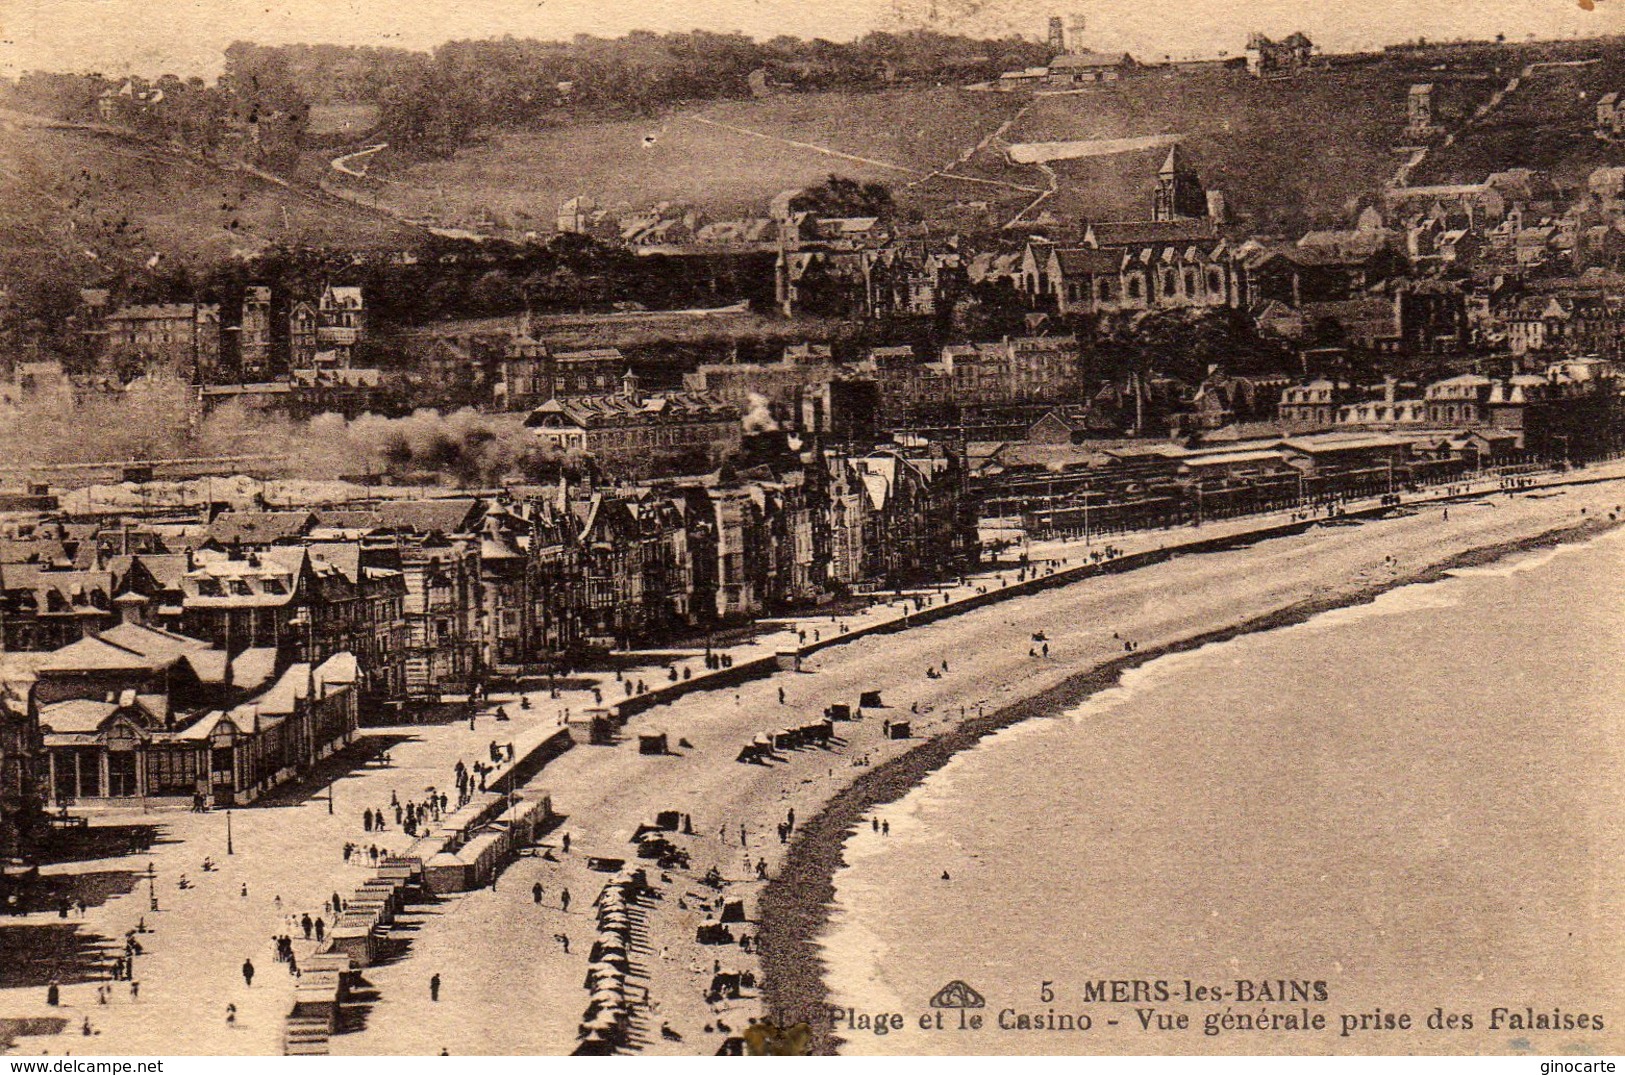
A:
(320, 929)
(564, 900)
(536, 892)
(566, 843)
(434, 979)
(248, 973)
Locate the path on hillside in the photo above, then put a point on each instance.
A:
(342, 164)
(1044, 196)
(136, 147)
(842, 155)
(987, 140)
(1402, 176)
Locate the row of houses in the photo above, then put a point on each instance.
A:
(189, 341)
(431, 596)
(1570, 410)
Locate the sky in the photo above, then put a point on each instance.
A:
(185, 37)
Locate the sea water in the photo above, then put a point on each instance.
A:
(1405, 813)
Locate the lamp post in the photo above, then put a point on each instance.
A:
(152, 888)
(330, 788)
(228, 828)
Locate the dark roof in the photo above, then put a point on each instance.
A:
(1148, 232)
(453, 516)
(1084, 261)
(260, 527)
(1088, 59)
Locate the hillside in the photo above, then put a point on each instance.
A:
(1545, 124)
(92, 204)
(1286, 152)
(728, 159)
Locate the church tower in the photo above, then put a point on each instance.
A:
(1179, 193)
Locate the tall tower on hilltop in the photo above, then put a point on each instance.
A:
(1179, 194)
(1057, 36)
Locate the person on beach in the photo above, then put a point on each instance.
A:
(248, 973)
(564, 900)
(536, 892)
(434, 986)
(885, 828)
(874, 823)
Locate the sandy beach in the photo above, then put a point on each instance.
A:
(511, 983)
(608, 792)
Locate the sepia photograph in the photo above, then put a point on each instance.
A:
(888, 528)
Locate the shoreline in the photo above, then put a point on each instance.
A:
(794, 906)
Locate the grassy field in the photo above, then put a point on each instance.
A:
(704, 156)
(341, 119)
(1287, 152)
(91, 199)
(1545, 124)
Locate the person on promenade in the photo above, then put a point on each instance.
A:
(248, 973)
(434, 986)
(564, 900)
(536, 892)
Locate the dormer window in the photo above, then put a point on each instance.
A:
(209, 587)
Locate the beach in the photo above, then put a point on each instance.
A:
(607, 793)
(510, 984)
(1409, 804)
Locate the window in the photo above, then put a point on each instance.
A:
(240, 588)
(1215, 280)
(1134, 287)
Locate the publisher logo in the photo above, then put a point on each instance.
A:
(956, 994)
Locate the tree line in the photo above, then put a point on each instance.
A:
(434, 102)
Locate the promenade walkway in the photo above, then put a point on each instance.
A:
(287, 853)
